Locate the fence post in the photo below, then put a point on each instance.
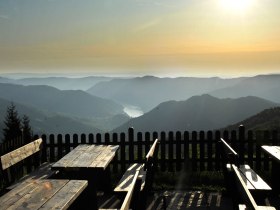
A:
(170, 151)
(139, 147)
(217, 151)
(250, 148)
(194, 151)
(123, 158)
(90, 138)
(186, 150)
(98, 138)
(258, 150)
(83, 138)
(266, 157)
(52, 155)
(107, 138)
(178, 151)
(202, 150)
(75, 140)
(115, 161)
(59, 146)
(209, 151)
(162, 151)
(131, 144)
(241, 144)
(44, 150)
(67, 143)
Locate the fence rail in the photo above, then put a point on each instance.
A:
(195, 151)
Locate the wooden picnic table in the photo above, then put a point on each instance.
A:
(274, 152)
(89, 162)
(43, 194)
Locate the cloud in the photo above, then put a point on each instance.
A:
(147, 25)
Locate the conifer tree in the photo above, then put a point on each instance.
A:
(12, 123)
(26, 129)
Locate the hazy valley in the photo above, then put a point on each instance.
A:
(107, 104)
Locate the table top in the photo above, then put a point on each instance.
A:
(43, 194)
(274, 151)
(87, 156)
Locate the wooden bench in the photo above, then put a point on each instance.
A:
(246, 196)
(253, 182)
(131, 200)
(10, 160)
(146, 172)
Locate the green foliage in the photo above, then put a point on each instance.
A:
(12, 123)
(26, 129)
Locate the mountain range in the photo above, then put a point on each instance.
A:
(203, 112)
(61, 83)
(147, 92)
(268, 119)
(74, 103)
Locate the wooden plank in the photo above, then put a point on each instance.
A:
(248, 198)
(228, 147)
(66, 195)
(43, 172)
(128, 197)
(254, 178)
(21, 153)
(274, 151)
(126, 180)
(40, 194)
(88, 156)
(70, 157)
(105, 157)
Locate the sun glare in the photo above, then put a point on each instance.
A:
(236, 6)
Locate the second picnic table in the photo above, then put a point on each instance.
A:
(88, 162)
(274, 152)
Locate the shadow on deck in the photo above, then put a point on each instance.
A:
(181, 200)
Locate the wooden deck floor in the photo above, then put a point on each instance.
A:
(189, 200)
(180, 200)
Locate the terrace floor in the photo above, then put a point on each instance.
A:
(181, 200)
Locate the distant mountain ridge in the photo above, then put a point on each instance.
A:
(263, 86)
(149, 91)
(61, 83)
(268, 119)
(74, 103)
(203, 112)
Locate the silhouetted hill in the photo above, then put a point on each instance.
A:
(197, 113)
(74, 103)
(268, 119)
(147, 92)
(46, 122)
(263, 86)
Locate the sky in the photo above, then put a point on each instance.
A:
(227, 38)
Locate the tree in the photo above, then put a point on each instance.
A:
(12, 123)
(26, 129)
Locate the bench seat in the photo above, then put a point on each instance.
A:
(42, 172)
(252, 179)
(126, 180)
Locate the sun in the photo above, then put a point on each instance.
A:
(236, 6)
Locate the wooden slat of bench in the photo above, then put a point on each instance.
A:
(257, 182)
(31, 196)
(152, 150)
(128, 197)
(127, 178)
(247, 195)
(21, 153)
(43, 172)
(66, 196)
